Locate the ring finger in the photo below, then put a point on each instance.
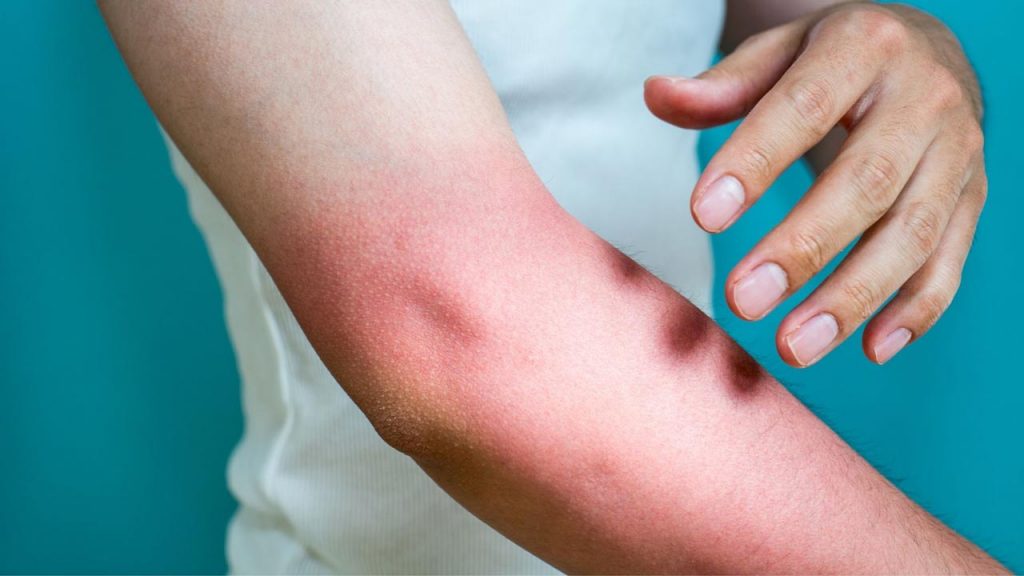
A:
(871, 169)
(923, 298)
(886, 256)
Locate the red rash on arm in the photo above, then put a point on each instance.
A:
(551, 385)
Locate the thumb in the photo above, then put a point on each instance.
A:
(732, 87)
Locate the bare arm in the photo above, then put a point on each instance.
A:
(547, 382)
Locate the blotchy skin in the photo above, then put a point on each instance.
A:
(551, 385)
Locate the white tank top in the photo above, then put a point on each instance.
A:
(319, 491)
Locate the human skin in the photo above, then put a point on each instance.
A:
(909, 176)
(551, 385)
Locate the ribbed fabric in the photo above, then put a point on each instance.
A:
(319, 491)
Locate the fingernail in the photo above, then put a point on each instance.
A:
(669, 79)
(809, 341)
(719, 203)
(758, 291)
(891, 344)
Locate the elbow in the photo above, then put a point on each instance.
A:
(406, 432)
(410, 352)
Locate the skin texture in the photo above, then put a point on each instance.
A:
(546, 381)
(904, 168)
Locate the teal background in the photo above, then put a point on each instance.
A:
(121, 405)
(943, 419)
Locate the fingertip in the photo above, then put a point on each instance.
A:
(874, 332)
(784, 350)
(656, 85)
(672, 99)
(719, 204)
(792, 362)
(730, 300)
(756, 290)
(665, 80)
(658, 95)
(810, 341)
(869, 353)
(869, 341)
(696, 219)
(730, 297)
(709, 223)
(887, 346)
(782, 346)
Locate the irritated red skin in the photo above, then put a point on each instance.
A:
(551, 385)
(554, 386)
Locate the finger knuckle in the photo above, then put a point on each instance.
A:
(752, 40)
(923, 226)
(890, 32)
(900, 134)
(906, 125)
(983, 189)
(946, 91)
(949, 277)
(809, 250)
(949, 186)
(974, 138)
(949, 191)
(814, 102)
(932, 303)
(886, 30)
(756, 162)
(759, 39)
(860, 298)
(876, 178)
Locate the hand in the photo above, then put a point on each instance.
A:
(910, 176)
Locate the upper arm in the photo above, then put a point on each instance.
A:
(361, 151)
(275, 103)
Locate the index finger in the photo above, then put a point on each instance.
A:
(824, 83)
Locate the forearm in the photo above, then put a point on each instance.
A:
(609, 426)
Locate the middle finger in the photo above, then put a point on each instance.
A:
(871, 169)
(889, 253)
